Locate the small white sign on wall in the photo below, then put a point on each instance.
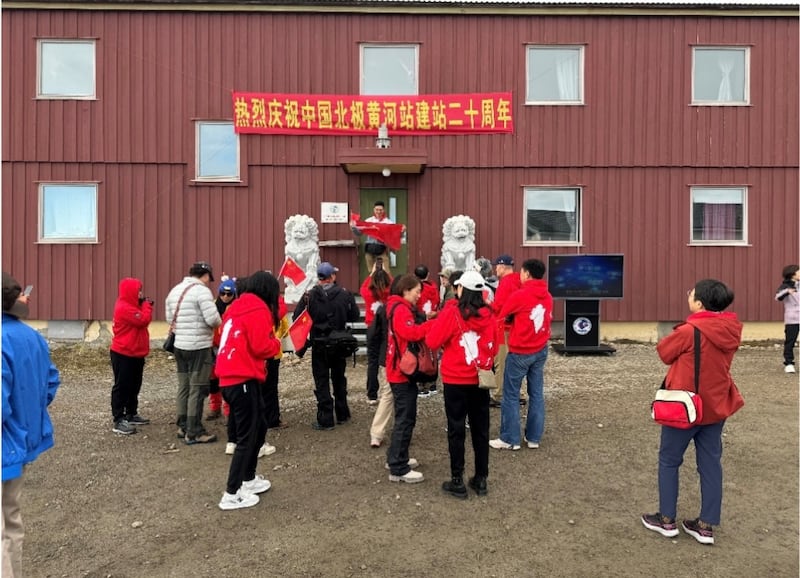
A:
(334, 213)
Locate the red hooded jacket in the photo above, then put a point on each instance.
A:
(370, 303)
(720, 335)
(402, 326)
(507, 286)
(429, 298)
(467, 344)
(532, 310)
(131, 319)
(248, 341)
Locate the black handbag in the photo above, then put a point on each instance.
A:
(169, 342)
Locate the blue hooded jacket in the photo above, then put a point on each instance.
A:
(30, 381)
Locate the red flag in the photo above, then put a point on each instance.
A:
(293, 271)
(389, 234)
(300, 329)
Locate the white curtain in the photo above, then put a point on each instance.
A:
(726, 64)
(567, 76)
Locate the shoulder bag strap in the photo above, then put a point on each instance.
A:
(178, 308)
(396, 343)
(696, 360)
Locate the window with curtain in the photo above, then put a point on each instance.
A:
(389, 69)
(68, 213)
(552, 216)
(66, 69)
(555, 75)
(720, 75)
(217, 152)
(719, 215)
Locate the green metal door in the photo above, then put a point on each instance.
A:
(396, 201)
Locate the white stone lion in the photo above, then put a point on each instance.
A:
(458, 248)
(302, 245)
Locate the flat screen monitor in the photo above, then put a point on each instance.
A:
(585, 276)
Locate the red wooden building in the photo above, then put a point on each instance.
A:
(666, 133)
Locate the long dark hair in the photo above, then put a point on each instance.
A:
(265, 286)
(470, 302)
(379, 284)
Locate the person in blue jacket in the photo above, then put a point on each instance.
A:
(30, 381)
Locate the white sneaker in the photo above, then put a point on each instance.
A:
(230, 447)
(410, 477)
(257, 485)
(499, 444)
(532, 445)
(789, 368)
(412, 463)
(266, 450)
(237, 500)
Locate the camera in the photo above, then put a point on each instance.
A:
(379, 263)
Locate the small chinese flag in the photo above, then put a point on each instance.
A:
(292, 270)
(300, 329)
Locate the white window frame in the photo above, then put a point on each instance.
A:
(699, 191)
(362, 73)
(578, 225)
(746, 80)
(44, 237)
(41, 66)
(579, 100)
(216, 178)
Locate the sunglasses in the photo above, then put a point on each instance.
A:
(227, 293)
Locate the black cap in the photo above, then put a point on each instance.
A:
(200, 268)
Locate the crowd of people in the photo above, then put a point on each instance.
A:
(492, 318)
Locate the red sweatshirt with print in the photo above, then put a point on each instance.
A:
(402, 329)
(531, 310)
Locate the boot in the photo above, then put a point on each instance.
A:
(455, 487)
(478, 483)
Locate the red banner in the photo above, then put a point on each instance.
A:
(389, 234)
(335, 114)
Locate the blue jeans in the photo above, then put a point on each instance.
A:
(708, 448)
(518, 367)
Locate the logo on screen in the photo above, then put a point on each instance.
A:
(582, 326)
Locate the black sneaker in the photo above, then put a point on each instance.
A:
(319, 427)
(123, 427)
(478, 484)
(661, 524)
(138, 420)
(700, 531)
(455, 488)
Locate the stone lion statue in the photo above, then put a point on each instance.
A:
(302, 245)
(458, 248)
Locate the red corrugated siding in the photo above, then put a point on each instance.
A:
(635, 146)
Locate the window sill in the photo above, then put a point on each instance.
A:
(718, 244)
(218, 183)
(739, 104)
(552, 244)
(555, 103)
(67, 242)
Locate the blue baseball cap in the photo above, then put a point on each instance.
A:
(326, 270)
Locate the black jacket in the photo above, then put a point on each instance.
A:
(330, 307)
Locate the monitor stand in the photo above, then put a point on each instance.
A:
(582, 329)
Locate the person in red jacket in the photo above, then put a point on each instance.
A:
(375, 291)
(129, 346)
(509, 282)
(720, 335)
(248, 341)
(466, 331)
(428, 305)
(530, 311)
(403, 329)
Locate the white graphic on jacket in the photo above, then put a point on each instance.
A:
(375, 306)
(469, 343)
(537, 316)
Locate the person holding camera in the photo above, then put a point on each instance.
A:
(788, 295)
(129, 346)
(375, 291)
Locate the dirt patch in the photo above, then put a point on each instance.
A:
(104, 505)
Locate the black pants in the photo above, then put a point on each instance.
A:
(329, 369)
(247, 407)
(373, 355)
(460, 402)
(405, 418)
(271, 403)
(790, 330)
(128, 372)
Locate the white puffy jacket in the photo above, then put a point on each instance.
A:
(197, 316)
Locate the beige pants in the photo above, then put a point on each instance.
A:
(13, 530)
(385, 412)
